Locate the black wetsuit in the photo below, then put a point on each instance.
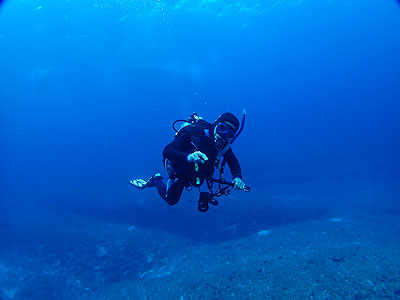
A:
(181, 173)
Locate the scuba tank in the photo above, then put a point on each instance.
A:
(193, 119)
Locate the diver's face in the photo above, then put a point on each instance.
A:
(225, 131)
(223, 134)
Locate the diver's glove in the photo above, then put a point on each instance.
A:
(197, 157)
(239, 184)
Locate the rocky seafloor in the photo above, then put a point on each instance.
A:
(337, 255)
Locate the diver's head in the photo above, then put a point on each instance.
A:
(225, 128)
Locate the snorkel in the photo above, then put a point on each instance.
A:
(241, 126)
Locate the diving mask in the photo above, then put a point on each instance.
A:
(223, 134)
(225, 131)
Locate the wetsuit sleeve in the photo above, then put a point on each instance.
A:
(174, 150)
(233, 163)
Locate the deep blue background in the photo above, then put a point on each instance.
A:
(89, 89)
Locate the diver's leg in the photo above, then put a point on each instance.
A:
(142, 184)
(172, 191)
(161, 188)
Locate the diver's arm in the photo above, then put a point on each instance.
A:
(172, 150)
(233, 164)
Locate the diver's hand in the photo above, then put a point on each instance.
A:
(239, 184)
(197, 157)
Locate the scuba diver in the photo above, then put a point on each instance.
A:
(191, 158)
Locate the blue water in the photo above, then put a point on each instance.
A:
(89, 90)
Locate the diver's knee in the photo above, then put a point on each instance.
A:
(172, 202)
